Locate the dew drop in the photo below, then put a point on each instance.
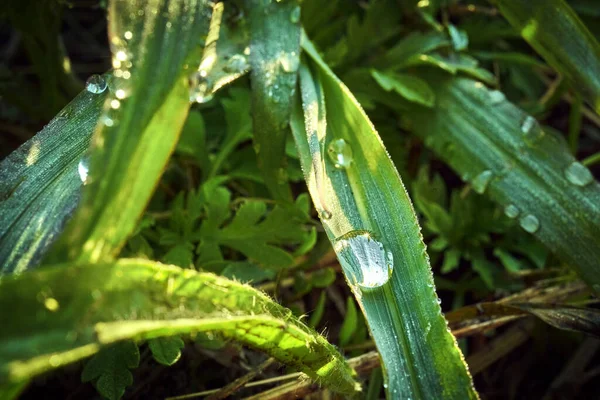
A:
(511, 211)
(497, 97)
(530, 223)
(481, 181)
(128, 35)
(83, 170)
(236, 64)
(295, 15)
(578, 174)
(531, 130)
(340, 153)
(289, 61)
(51, 304)
(325, 214)
(96, 84)
(364, 259)
(200, 87)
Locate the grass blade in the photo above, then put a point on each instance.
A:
(139, 299)
(553, 29)
(274, 59)
(505, 154)
(40, 183)
(369, 218)
(151, 47)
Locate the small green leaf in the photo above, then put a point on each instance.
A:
(317, 313)
(409, 87)
(460, 39)
(350, 323)
(109, 369)
(166, 350)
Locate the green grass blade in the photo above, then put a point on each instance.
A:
(505, 154)
(553, 29)
(151, 48)
(369, 218)
(54, 323)
(274, 59)
(40, 183)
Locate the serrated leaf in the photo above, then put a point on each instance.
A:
(142, 121)
(54, 323)
(166, 350)
(109, 369)
(411, 88)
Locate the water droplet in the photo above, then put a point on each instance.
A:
(115, 104)
(438, 300)
(51, 304)
(236, 64)
(531, 130)
(200, 87)
(247, 50)
(128, 35)
(295, 15)
(54, 361)
(83, 170)
(289, 61)
(364, 259)
(481, 181)
(120, 94)
(325, 214)
(511, 211)
(578, 174)
(530, 223)
(497, 97)
(96, 84)
(340, 153)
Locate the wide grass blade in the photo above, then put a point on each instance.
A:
(274, 59)
(531, 173)
(40, 182)
(370, 220)
(54, 323)
(553, 29)
(155, 46)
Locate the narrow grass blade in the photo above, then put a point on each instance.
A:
(54, 323)
(151, 48)
(40, 182)
(505, 154)
(370, 220)
(274, 58)
(553, 29)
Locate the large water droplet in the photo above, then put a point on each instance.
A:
(511, 211)
(578, 174)
(364, 259)
(83, 170)
(481, 181)
(496, 97)
(295, 15)
(530, 223)
(531, 130)
(96, 84)
(340, 153)
(289, 61)
(236, 64)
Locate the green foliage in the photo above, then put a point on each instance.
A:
(109, 369)
(166, 350)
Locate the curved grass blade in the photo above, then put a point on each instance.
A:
(54, 323)
(274, 59)
(152, 42)
(505, 154)
(553, 29)
(40, 182)
(369, 218)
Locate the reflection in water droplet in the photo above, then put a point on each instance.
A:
(340, 153)
(530, 223)
(364, 259)
(96, 84)
(497, 97)
(531, 130)
(481, 181)
(578, 174)
(295, 15)
(236, 64)
(511, 211)
(51, 304)
(289, 61)
(83, 169)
